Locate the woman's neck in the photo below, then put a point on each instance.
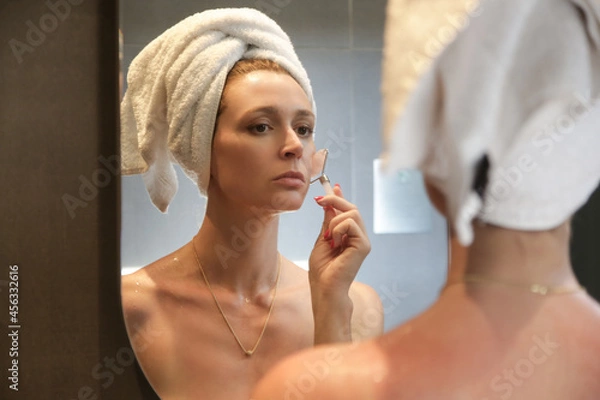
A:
(513, 256)
(237, 247)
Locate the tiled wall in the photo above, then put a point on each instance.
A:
(339, 42)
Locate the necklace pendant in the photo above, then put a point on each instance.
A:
(539, 289)
(249, 352)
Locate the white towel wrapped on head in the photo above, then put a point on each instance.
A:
(174, 88)
(515, 80)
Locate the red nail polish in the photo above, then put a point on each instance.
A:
(337, 185)
(326, 235)
(318, 198)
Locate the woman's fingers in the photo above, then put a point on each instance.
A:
(337, 189)
(344, 209)
(328, 214)
(353, 215)
(347, 232)
(337, 202)
(342, 224)
(347, 210)
(342, 245)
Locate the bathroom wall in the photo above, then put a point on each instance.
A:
(339, 42)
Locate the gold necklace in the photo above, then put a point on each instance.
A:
(246, 351)
(535, 288)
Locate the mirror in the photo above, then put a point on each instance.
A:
(342, 54)
(340, 47)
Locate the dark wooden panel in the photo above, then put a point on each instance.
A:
(59, 204)
(585, 245)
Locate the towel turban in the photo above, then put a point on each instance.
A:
(174, 89)
(513, 82)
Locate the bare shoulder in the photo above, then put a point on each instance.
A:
(139, 290)
(367, 317)
(586, 339)
(143, 296)
(137, 297)
(322, 373)
(136, 287)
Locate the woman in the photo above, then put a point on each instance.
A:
(208, 320)
(486, 125)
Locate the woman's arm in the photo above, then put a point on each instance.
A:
(339, 304)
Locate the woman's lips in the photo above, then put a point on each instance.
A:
(291, 179)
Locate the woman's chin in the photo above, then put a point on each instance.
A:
(288, 200)
(289, 210)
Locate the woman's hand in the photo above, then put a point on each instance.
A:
(339, 251)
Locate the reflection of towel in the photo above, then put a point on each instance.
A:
(174, 88)
(520, 83)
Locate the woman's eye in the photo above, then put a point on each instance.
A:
(259, 128)
(304, 131)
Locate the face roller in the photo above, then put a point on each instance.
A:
(319, 162)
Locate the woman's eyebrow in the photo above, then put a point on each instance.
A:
(270, 110)
(305, 113)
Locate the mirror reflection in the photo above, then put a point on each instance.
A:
(341, 50)
(224, 279)
(224, 290)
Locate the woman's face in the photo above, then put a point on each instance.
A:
(263, 144)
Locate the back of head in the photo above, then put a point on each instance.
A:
(505, 84)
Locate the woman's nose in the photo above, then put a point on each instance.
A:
(293, 146)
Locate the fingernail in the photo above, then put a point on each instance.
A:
(337, 185)
(332, 244)
(326, 235)
(318, 198)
